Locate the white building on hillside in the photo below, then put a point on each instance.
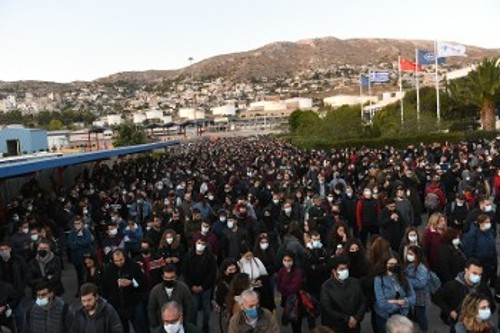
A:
(299, 103)
(225, 110)
(339, 100)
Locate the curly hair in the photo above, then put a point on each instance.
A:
(469, 311)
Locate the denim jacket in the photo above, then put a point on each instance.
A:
(388, 288)
(419, 280)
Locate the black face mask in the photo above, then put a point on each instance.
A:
(145, 251)
(169, 284)
(394, 269)
(42, 253)
(230, 276)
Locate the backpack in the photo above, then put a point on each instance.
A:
(431, 201)
(434, 282)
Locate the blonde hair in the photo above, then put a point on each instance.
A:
(469, 311)
(433, 220)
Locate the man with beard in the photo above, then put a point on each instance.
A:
(95, 314)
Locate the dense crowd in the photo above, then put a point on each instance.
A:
(242, 227)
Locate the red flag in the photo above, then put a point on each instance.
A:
(407, 65)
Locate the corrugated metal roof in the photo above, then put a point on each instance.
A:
(22, 168)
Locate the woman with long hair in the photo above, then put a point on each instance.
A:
(432, 239)
(411, 238)
(239, 283)
(475, 315)
(289, 282)
(171, 249)
(452, 257)
(92, 270)
(393, 292)
(339, 235)
(417, 274)
(358, 264)
(227, 271)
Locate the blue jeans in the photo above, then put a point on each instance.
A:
(201, 301)
(380, 322)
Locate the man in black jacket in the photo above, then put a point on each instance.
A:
(450, 296)
(343, 304)
(95, 315)
(199, 273)
(122, 285)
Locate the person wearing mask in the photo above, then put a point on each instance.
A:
(112, 240)
(141, 209)
(233, 239)
(317, 268)
(155, 231)
(9, 300)
(122, 283)
(199, 272)
(432, 239)
(239, 283)
(151, 264)
(92, 270)
(457, 212)
(252, 318)
(475, 315)
(49, 313)
(358, 264)
(367, 211)
(21, 241)
(343, 304)
(285, 218)
(348, 205)
(391, 224)
(289, 282)
(132, 235)
(339, 235)
(451, 294)
(485, 207)
(172, 320)
(79, 242)
(451, 256)
(393, 293)
(410, 238)
(206, 232)
(404, 206)
(170, 289)
(45, 267)
(171, 249)
(95, 314)
(418, 276)
(317, 220)
(480, 243)
(228, 269)
(220, 224)
(192, 226)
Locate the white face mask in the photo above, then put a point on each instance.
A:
(204, 230)
(317, 244)
(486, 226)
(170, 240)
(456, 241)
(26, 230)
(222, 219)
(410, 257)
(200, 247)
(172, 328)
(288, 210)
(343, 274)
(264, 246)
(34, 238)
(488, 208)
(113, 232)
(330, 199)
(230, 224)
(412, 238)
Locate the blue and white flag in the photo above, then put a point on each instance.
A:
(445, 49)
(427, 58)
(379, 77)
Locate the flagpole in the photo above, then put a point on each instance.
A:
(417, 84)
(370, 91)
(400, 90)
(438, 104)
(361, 95)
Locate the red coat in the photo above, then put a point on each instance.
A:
(289, 283)
(432, 242)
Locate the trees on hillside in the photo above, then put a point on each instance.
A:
(129, 135)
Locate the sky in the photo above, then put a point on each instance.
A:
(69, 40)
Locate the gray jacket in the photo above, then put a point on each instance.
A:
(158, 296)
(104, 320)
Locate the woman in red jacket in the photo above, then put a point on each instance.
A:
(289, 282)
(436, 226)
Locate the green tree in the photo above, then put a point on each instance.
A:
(481, 88)
(129, 135)
(55, 125)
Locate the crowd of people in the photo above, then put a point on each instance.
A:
(244, 227)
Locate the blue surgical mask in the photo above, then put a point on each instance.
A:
(42, 301)
(475, 279)
(484, 314)
(251, 313)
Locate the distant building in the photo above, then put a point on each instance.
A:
(114, 120)
(58, 139)
(387, 98)
(191, 114)
(299, 103)
(225, 110)
(16, 140)
(340, 100)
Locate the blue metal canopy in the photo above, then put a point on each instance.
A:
(21, 168)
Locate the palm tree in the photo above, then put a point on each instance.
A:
(481, 89)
